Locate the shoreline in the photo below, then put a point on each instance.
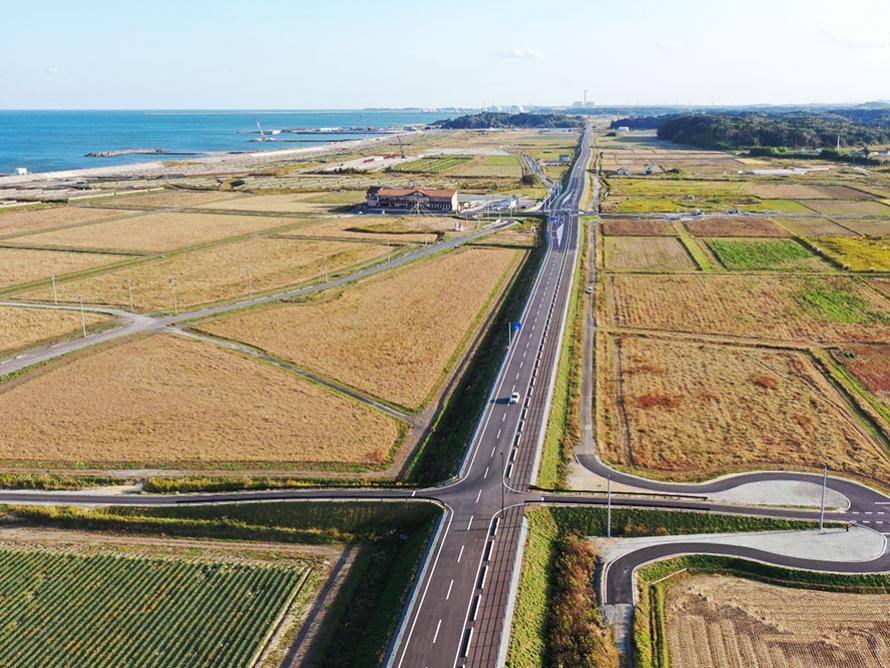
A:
(208, 163)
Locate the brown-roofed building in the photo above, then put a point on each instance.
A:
(406, 199)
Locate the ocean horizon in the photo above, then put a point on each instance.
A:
(54, 140)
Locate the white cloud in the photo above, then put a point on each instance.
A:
(522, 53)
(854, 42)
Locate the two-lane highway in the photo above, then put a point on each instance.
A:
(457, 616)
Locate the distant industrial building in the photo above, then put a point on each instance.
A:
(407, 199)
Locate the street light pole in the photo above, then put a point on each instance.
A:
(249, 285)
(83, 322)
(55, 294)
(130, 292)
(822, 503)
(609, 510)
(175, 305)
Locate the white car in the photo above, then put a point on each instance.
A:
(514, 398)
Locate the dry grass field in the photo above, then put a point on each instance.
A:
(843, 192)
(393, 336)
(871, 366)
(646, 254)
(735, 227)
(875, 227)
(167, 401)
(642, 227)
(154, 232)
(346, 228)
(35, 220)
(291, 202)
(786, 191)
(715, 620)
(23, 266)
(27, 327)
(789, 308)
(862, 207)
(171, 198)
(817, 227)
(691, 410)
(215, 273)
(857, 254)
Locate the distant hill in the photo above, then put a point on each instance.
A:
(503, 120)
(856, 127)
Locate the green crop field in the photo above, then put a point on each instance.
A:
(838, 305)
(433, 164)
(761, 254)
(59, 609)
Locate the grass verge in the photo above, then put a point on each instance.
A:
(532, 619)
(564, 423)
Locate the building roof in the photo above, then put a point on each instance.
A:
(404, 192)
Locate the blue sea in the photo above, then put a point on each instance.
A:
(45, 141)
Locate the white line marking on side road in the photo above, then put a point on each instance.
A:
(460, 554)
(485, 475)
(470, 523)
(498, 436)
(450, 585)
(478, 494)
(436, 634)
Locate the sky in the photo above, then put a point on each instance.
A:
(326, 54)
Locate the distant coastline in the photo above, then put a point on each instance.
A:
(59, 141)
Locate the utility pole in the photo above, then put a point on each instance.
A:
(55, 294)
(83, 322)
(822, 503)
(175, 305)
(326, 268)
(130, 292)
(609, 509)
(249, 285)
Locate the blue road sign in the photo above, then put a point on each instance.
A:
(517, 326)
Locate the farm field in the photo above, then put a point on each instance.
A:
(432, 164)
(765, 254)
(655, 254)
(642, 227)
(41, 218)
(154, 232)
(871, 367)
(299, 203)
(736, 622)
(395, 336)
(854, 207)
(857, 254)
(215, 273)
(789, 308)
(169, 401)
(505, 166)
(25, 265)
(348, 227)
(734, 227)
(786, 191)
(410, 225)
(76, 610)
(26, 327)
(817, 227)
(689, 410)
(874, 227)
(170, 198)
